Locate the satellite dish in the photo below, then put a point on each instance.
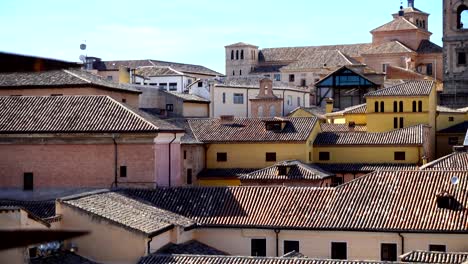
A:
(82, 58)
(454, 180)
(83, 46)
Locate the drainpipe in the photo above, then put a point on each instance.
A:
(277, 231)
(149, 245)
(283, 100)
(247, 101)
(402, 243)
(175, 136)
(115, 159)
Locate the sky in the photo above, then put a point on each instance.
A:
(190, 31)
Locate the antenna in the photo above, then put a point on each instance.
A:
(454, 180)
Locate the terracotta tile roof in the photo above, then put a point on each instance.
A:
(133, 64)
(326, 127)
(413, 135)
(61, 258)
(191, 247)
(399, 23)
(426, 46)
(61, 79)
(409, 88)
(420, 256)
(460, 128)
(41, 209)
(444, 109)
(314, 110)
(189, 98)
(252, 129)
(397, 201)
(355, 109)
(453, 161)
(365, 167)
(297, 170)
(319, 59)
(152, 71)
(126, 212)
(200, 259)
(249, 82)
(289, 54)
(224, 173)
(240, 44)
(71, 114)
(389, 48)
(411, 10)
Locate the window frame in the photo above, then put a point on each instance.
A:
(388, 252)
(292, 78)
(221, 156)
(399, 155)
(435, 247)
(270, 156)
(238, 98)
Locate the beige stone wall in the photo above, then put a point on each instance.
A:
(130, 98)
(106, 243)
(195, 110)
(194, 160)
(410, 38)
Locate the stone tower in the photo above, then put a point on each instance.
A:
(455, 54)
(266, 104)
(241, 59)
(414, 15)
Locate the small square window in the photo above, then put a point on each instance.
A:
(123, 171)
(238, 98)
(169, 107)
(258, 247)
(461, 58)
(277, 77)
(270, 156)
(440, 248)
(453, 141)
(324, 155)
(291, 78)
(109, 77)
(339, 250)
(451, 119)
(124, 100)
(388, 252)
(400, 155)
(200, 84)
(172, 86)
(290, 245)
(221, 156)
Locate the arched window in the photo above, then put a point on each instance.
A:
(382, 107)
(417, 23)
(462, 17)
(376, 106)
(424, 24)
(237, 54)
(232, 55)
(395, 106)
(272, 111)
(242, 54)
(401, 106)
(260, 111)
(419, 106)
(414, 106)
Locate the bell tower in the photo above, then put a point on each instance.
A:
(455, 39)
(241, 59)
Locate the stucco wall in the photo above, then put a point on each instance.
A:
(195, 110)
(194, 159)
(368, 154)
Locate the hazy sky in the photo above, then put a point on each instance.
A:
(190, 31)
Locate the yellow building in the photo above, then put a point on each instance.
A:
(252, 143)
(452, 125)
(356, 114)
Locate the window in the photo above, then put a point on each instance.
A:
(233, 73)
(388, 252)
(270, 156)
(221, 156)
(272, 111)
(399, 155)
(232, 55)
(384, 68)
(153, 84)
(240, 72)
(401, 122)
(453, 141)
(56, 95)
(382, 107)
(290, 245)
(289, 101)
(414, 106)
(419, 106)
(163, 86)
(123, 171)
(310, 156)
(258, 247)
(336, 180)
(169, 107)
(189, 176)
(185, 154)
(401, 106)
(224, 98)
(172, 86)
(395, 106)
(339, 250)
(303, 82)
(28, 181)
(124, 100)
(440, 248)
(277, 77)
(291, 77)
(462, 17)
(237, 54)
(376, 107)
(109, 77)
(274, 126)
(238, 98)
(429, 69)
(451, 119)
(395, 122)
(242, 54)
(461, 58)
(298, 101)
(200, 84)
(324, 155)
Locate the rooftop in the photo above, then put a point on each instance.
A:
(41, 209)
(294, 170)
(61, 79)
(224, 173)
(127, 212)
(72, 114)
(408, 88)
(152, 71)
(389, 48)
(313, 59)
(399, 23)
(420, 256)
(192, 247)
(327, 127)
(355, 109)
(413, 135)
(365, 167)
(62, 258)
(249, 82)
(454, 161)
(212, 130)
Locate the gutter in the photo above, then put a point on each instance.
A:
(283, 100)
(277, 231)
(402, 243)
(115, 160)
(170, 167)
(156, 233)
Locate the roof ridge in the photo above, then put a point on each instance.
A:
(81, 195)
(429, 164)
(133, 112)
(77, 76)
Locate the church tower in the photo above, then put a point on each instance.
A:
(241, 59)
(414, 15)
(455, 39)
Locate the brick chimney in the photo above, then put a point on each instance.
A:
(329, 105)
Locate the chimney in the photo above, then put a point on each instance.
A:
(329, 105)
(283, 170)
(352, 126)
(411, 3)
(445, 200)
(401, 12)
(227, 119)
